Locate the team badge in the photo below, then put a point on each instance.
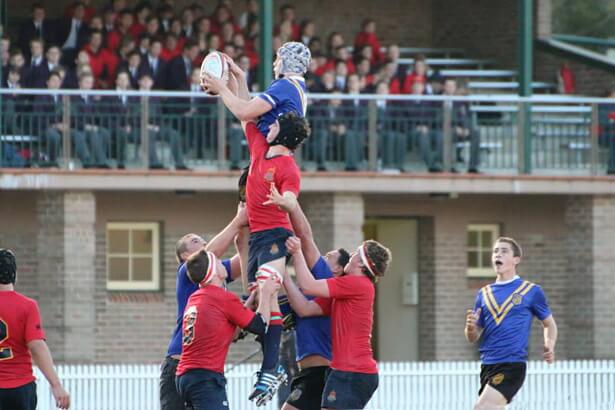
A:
(516, 299)
(294, 396)
(269, 175)
(497, 379)
(274, 249)
(332, 396)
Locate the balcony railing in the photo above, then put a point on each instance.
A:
(135, 130)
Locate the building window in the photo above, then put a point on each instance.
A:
(480, 243)
(133, 256)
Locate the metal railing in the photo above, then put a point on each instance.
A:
(564, 385)
(567, 136)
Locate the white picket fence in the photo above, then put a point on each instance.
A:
(565, 385)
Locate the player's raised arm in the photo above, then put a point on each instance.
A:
(298, 302)
(307, 282)
(242, 109)
(221, 242)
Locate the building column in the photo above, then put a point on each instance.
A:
(337, 219)
(66, 242)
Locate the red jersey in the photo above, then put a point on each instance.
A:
(20, 323)
(281, 170)
(351, 307)
(210, 319)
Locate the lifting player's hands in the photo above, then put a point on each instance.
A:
(61, 396)
(471, 320)
(268, 287)
(233, 67)
(241, 218)
(549, 353)
(293, 245)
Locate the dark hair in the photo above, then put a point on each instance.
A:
(344, 257)
(380, 256)
(133, 53)
(84, 75)
(54, 73)
(36, 6)
(242, 182)
(517, 251)
(8, 267)
(294, 129)
(197, 265)
(190, 43)
(122, 72)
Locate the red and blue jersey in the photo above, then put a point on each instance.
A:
(507, 310)
(183, 289)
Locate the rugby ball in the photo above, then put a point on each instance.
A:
(215, 65)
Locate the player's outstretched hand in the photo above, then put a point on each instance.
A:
(293, 245)
(268, 286)
(472, 319)
(275, 198)
(62, 397)
(549, 354)
(211, 84)
(233, 67)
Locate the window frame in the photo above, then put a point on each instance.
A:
(132, 285)
(480, 272)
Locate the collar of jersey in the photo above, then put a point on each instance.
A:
(506, 282)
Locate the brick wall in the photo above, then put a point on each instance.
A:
(427, 306)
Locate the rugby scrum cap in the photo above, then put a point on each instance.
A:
(8, 267)
(295, 57)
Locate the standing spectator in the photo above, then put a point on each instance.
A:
(13, 105)
(308, 31)
(102, 61)
(122, 29)
(127, 45)
(144, 43)
(153, 28)
(423, 130)
(84, 116)
(287, 15)
(364, 71)
(171, 47)
(154, 66)
(36, 27)
(142, 12)
(334, 41)
(221, 15)
(89, 12)
(187, 22)
(109, 19)
(418, 75)
(17, 62)
(367, 37)
(131, 66)
(165, 14)
(203, 27)
(5, 56)
(37, 72)
(72, 33)
(214, 42)
(566, 81)
(49, 108)
(82, 65)
(249, 16)
(244, 64)
(341, 72)
(123, 115)
(53, 58)
(392, 141)
(180, 68)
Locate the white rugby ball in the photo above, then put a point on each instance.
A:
(215, 65)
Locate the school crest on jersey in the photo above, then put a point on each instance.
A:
(269, 175)
(332, 396)
(517, 298)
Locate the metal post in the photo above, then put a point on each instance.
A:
(372, 136)
(144, 130)
(69, 162)
(594, 142)
(525, 79)
(521, 120)
(221, 134)
(447, 135)
(265, 43)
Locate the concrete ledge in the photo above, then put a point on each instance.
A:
(364, 182)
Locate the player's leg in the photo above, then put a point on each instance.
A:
(203, 390)
(348, 390)
(169, 397)
(490, 399)
(306, 389)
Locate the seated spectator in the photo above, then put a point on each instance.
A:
(364, 71)
(102, 61)
(13, 105)
(89, 11)
(566, 81)
(308, 31)
(36, 73)
(221, 15)
(227, 32)
(287, 18)
(127, 45)
(392, 141)
(17, 62)
(153, 28)
(199, 122)
(606, 116)
(187, 22)
(91, 141)
(108, 19)
(327, 83)
(203, 27)
(143, 45)
(48, 108)
(154, 66)
(124, 116)
(131, 66)
(214, 43)
(142, 12)
(285, 33)
(418, 74)
(197, 10)
(122, 29)
(5, 56)
(462, 126)
(341, 73)
(435, 83)
(367, 37)
(250, 15)
(171, 47)
(334, 41)
(177, 29)
(82, 65)
(37, 27)
(315, 45)
(53, 56)
(158, 130)
(245, 64)
(165, 15)
(72, 33)
(312, 79)
(424, 130)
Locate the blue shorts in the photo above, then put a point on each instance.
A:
(348, 390)
(266, 246)
(202, 389)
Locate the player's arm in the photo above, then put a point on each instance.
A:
(298, 302)
(242, 109)
(308, 284)
(241, 244)
(243, 91)
(301, 225)
(43, 360)
(550, 338)
(472, 330)
(221, 242)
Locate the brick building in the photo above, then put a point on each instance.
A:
(67, 230)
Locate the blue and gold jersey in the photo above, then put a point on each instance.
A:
(507, 310)
(284, 95)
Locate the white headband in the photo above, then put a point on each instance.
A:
(212, 262)
(365, 259)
